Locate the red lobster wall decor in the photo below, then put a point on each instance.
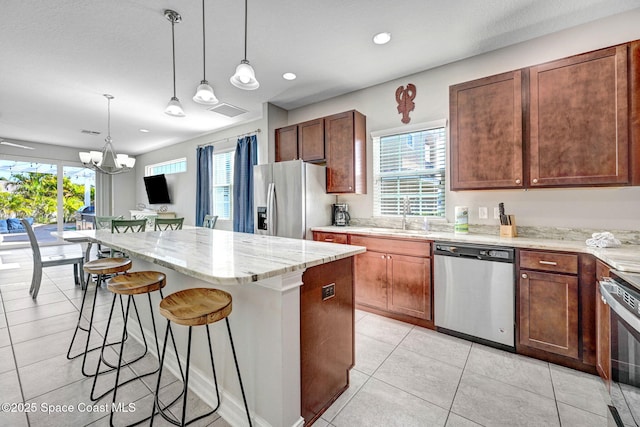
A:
(404, 98)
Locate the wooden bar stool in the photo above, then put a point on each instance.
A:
(100, 267)
(130, 285)
(196, 307)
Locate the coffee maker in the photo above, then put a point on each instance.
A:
(340, 214)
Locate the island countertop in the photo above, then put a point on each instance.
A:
(220, 257)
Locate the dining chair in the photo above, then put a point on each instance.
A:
(126, 226)
(164, 224)
(64, 254)
(104, 223)
(210, 221)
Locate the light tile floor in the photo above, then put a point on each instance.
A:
(404, 375)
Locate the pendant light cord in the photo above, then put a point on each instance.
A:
(245, 30)
(109, 118)
(204, 60)
(173, 44)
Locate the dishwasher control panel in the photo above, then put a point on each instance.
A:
(480, 252)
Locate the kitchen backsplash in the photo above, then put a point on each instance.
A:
(631, 237)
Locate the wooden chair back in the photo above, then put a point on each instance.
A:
(163, 224)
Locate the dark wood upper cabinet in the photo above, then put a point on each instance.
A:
(566, 123)
(287, 143)
(486, 133)
(345, 142)
(579, 120)
(311, 140)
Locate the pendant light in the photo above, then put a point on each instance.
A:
(204, 92)
(174, 108)
(106, 161)
(245, 77)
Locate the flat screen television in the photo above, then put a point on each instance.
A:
(157, 191)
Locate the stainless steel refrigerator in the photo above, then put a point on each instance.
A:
(289, 198)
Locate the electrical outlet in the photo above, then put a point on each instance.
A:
(328, 291)
(483, 212)
(496, 213)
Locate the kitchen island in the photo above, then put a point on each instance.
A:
(275, 325)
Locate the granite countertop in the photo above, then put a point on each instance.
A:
(220, 257)
(625, 258)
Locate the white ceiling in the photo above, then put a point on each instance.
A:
(58, 57)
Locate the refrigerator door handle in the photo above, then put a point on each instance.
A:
(273, 210)
(270, 222)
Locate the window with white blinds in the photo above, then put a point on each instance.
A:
(410, 164)
(169, 167)
(222, 184)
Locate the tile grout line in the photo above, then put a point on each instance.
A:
(15, 361)
(458, 385)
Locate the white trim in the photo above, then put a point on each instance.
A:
(441, 123)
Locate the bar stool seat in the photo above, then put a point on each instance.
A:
(139, 282)
(196, 307)
(100, 267)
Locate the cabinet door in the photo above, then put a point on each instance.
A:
(549, 312)
(370, 278)
(579, 116)
(409, 289)
(311, 137)
(287, 143)
(486, 133)
(345, 142)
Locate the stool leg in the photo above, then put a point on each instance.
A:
(213, 367)
(101, 358)
(235, 359)
(186, 379)
(88, 330)
(156, 404)
(115, 387)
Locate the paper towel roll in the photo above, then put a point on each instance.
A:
(461, 220)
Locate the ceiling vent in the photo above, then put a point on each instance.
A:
(90, 132)
(227, 110)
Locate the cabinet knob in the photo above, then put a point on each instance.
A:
(518, 181)
(535, 180)
(383, 256)
(524, 275)
(350, 187)
(603, 300)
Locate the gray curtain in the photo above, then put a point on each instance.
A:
(245, 158)
(203, 183)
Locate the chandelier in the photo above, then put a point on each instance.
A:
(106, 161)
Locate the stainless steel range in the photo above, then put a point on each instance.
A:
(622, 293)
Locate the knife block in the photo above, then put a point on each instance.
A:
(509, 230)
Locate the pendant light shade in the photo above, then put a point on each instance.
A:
(174, 108)
(204, 92)
(245, 76)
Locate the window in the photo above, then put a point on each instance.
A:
(410, 162)
(222, 184)
(172, 166)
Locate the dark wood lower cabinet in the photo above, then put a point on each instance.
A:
(326, 336)
(549, 312)
(603, 329)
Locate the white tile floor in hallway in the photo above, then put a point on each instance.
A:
(404, 375)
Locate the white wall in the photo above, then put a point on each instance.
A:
(182, 186)
(607, 208)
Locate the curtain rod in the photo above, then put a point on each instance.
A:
(228, 138)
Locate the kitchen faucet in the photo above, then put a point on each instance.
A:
(406, 209)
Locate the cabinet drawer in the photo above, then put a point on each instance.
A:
(393, 246)
(549, 261)
(330, 237)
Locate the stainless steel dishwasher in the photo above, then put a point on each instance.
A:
(474, 292)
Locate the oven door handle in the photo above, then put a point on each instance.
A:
(608, 287)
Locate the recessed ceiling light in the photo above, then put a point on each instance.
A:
(144, 130)
(289, 76)
(382, 38)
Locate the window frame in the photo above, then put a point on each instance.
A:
(231, 151)
(148, 169)
(376, 137)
